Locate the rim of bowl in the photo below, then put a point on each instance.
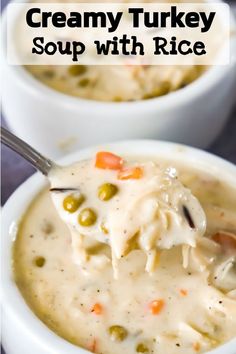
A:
(12, 211)
(176, 98)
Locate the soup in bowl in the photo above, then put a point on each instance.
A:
(116, 83)
(184, 303)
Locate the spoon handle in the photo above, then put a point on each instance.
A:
(38, 161)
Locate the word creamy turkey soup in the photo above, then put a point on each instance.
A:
(131, 257)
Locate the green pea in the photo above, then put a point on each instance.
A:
(76, 70)
(161, 90)
(71, 203)
(84, 82)
(117, 333)
(142, 348)
(48, 74)
(39, 261)
(87, 217)
(117, 99)
(107, 191)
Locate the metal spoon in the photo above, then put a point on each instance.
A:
(38, 161)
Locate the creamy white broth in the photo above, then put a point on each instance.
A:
(194, 311)
(116, 83)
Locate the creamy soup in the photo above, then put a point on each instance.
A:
(185, 304)
(116, 83)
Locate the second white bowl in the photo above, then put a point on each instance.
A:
(56, 123)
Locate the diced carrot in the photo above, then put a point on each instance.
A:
(183, 292)
(92, 347)
(107, 160)
(97, 309)
(196, 346)
(156, 306)
(130, 173)
(226, 240)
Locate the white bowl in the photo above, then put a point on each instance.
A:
(22, 331)
(54, 122)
